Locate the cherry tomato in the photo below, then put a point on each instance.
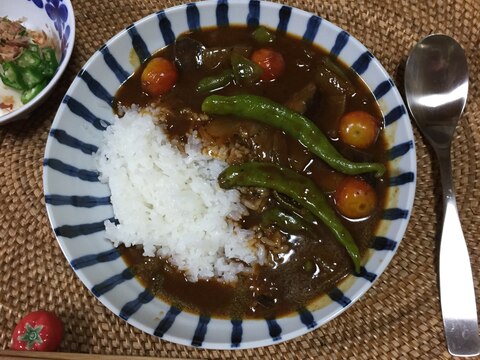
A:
(355, 198)
(271, 62)
(159, 76)
(358, 129)
(38, 331)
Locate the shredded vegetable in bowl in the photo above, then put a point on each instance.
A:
(28, 61)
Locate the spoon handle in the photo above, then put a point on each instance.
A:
(457, 295)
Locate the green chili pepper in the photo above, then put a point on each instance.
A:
(300, 188)
(263, 36)
(29, 94)
(276, 115)
(10, 76)
(245, 71)
(305, 214)
(215, 82)
(291, 223)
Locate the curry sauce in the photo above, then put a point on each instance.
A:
(311, 264)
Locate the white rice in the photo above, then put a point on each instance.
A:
(170, 202)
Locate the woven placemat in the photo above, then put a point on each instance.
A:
(398, 318)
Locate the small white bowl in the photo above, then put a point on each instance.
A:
(57, 19)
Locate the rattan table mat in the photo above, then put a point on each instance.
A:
(399, 318)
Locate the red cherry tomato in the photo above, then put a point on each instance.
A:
(358, 129)
(271, 62)
(159, 76)
(38, 331)
(355, 198)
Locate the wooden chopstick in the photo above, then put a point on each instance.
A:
(41, 355)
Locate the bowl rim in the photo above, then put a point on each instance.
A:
(292, 334)
(24, 111)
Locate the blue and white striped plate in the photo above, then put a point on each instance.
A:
(78, 204)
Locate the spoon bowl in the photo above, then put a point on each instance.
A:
(436, 88)
(436, 85)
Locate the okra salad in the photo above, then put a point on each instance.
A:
(28, 61)
(303, 139)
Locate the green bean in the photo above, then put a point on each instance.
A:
(291, 223)
(271, 113)
(215, 82)
(300, 188)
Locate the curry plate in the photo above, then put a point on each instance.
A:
(78, 203)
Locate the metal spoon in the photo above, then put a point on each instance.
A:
(436, 86)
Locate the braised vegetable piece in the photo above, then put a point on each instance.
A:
(215, 82)
(263, 36)
(300, 100)
(355, 198)
(334, 106)
(331, 80)
(159, 76)
(358, 129)
(271, 62)
(244, 70)
(337, 70)
(271, 113)
(299, 188)
(214, 57)
(188, 53)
